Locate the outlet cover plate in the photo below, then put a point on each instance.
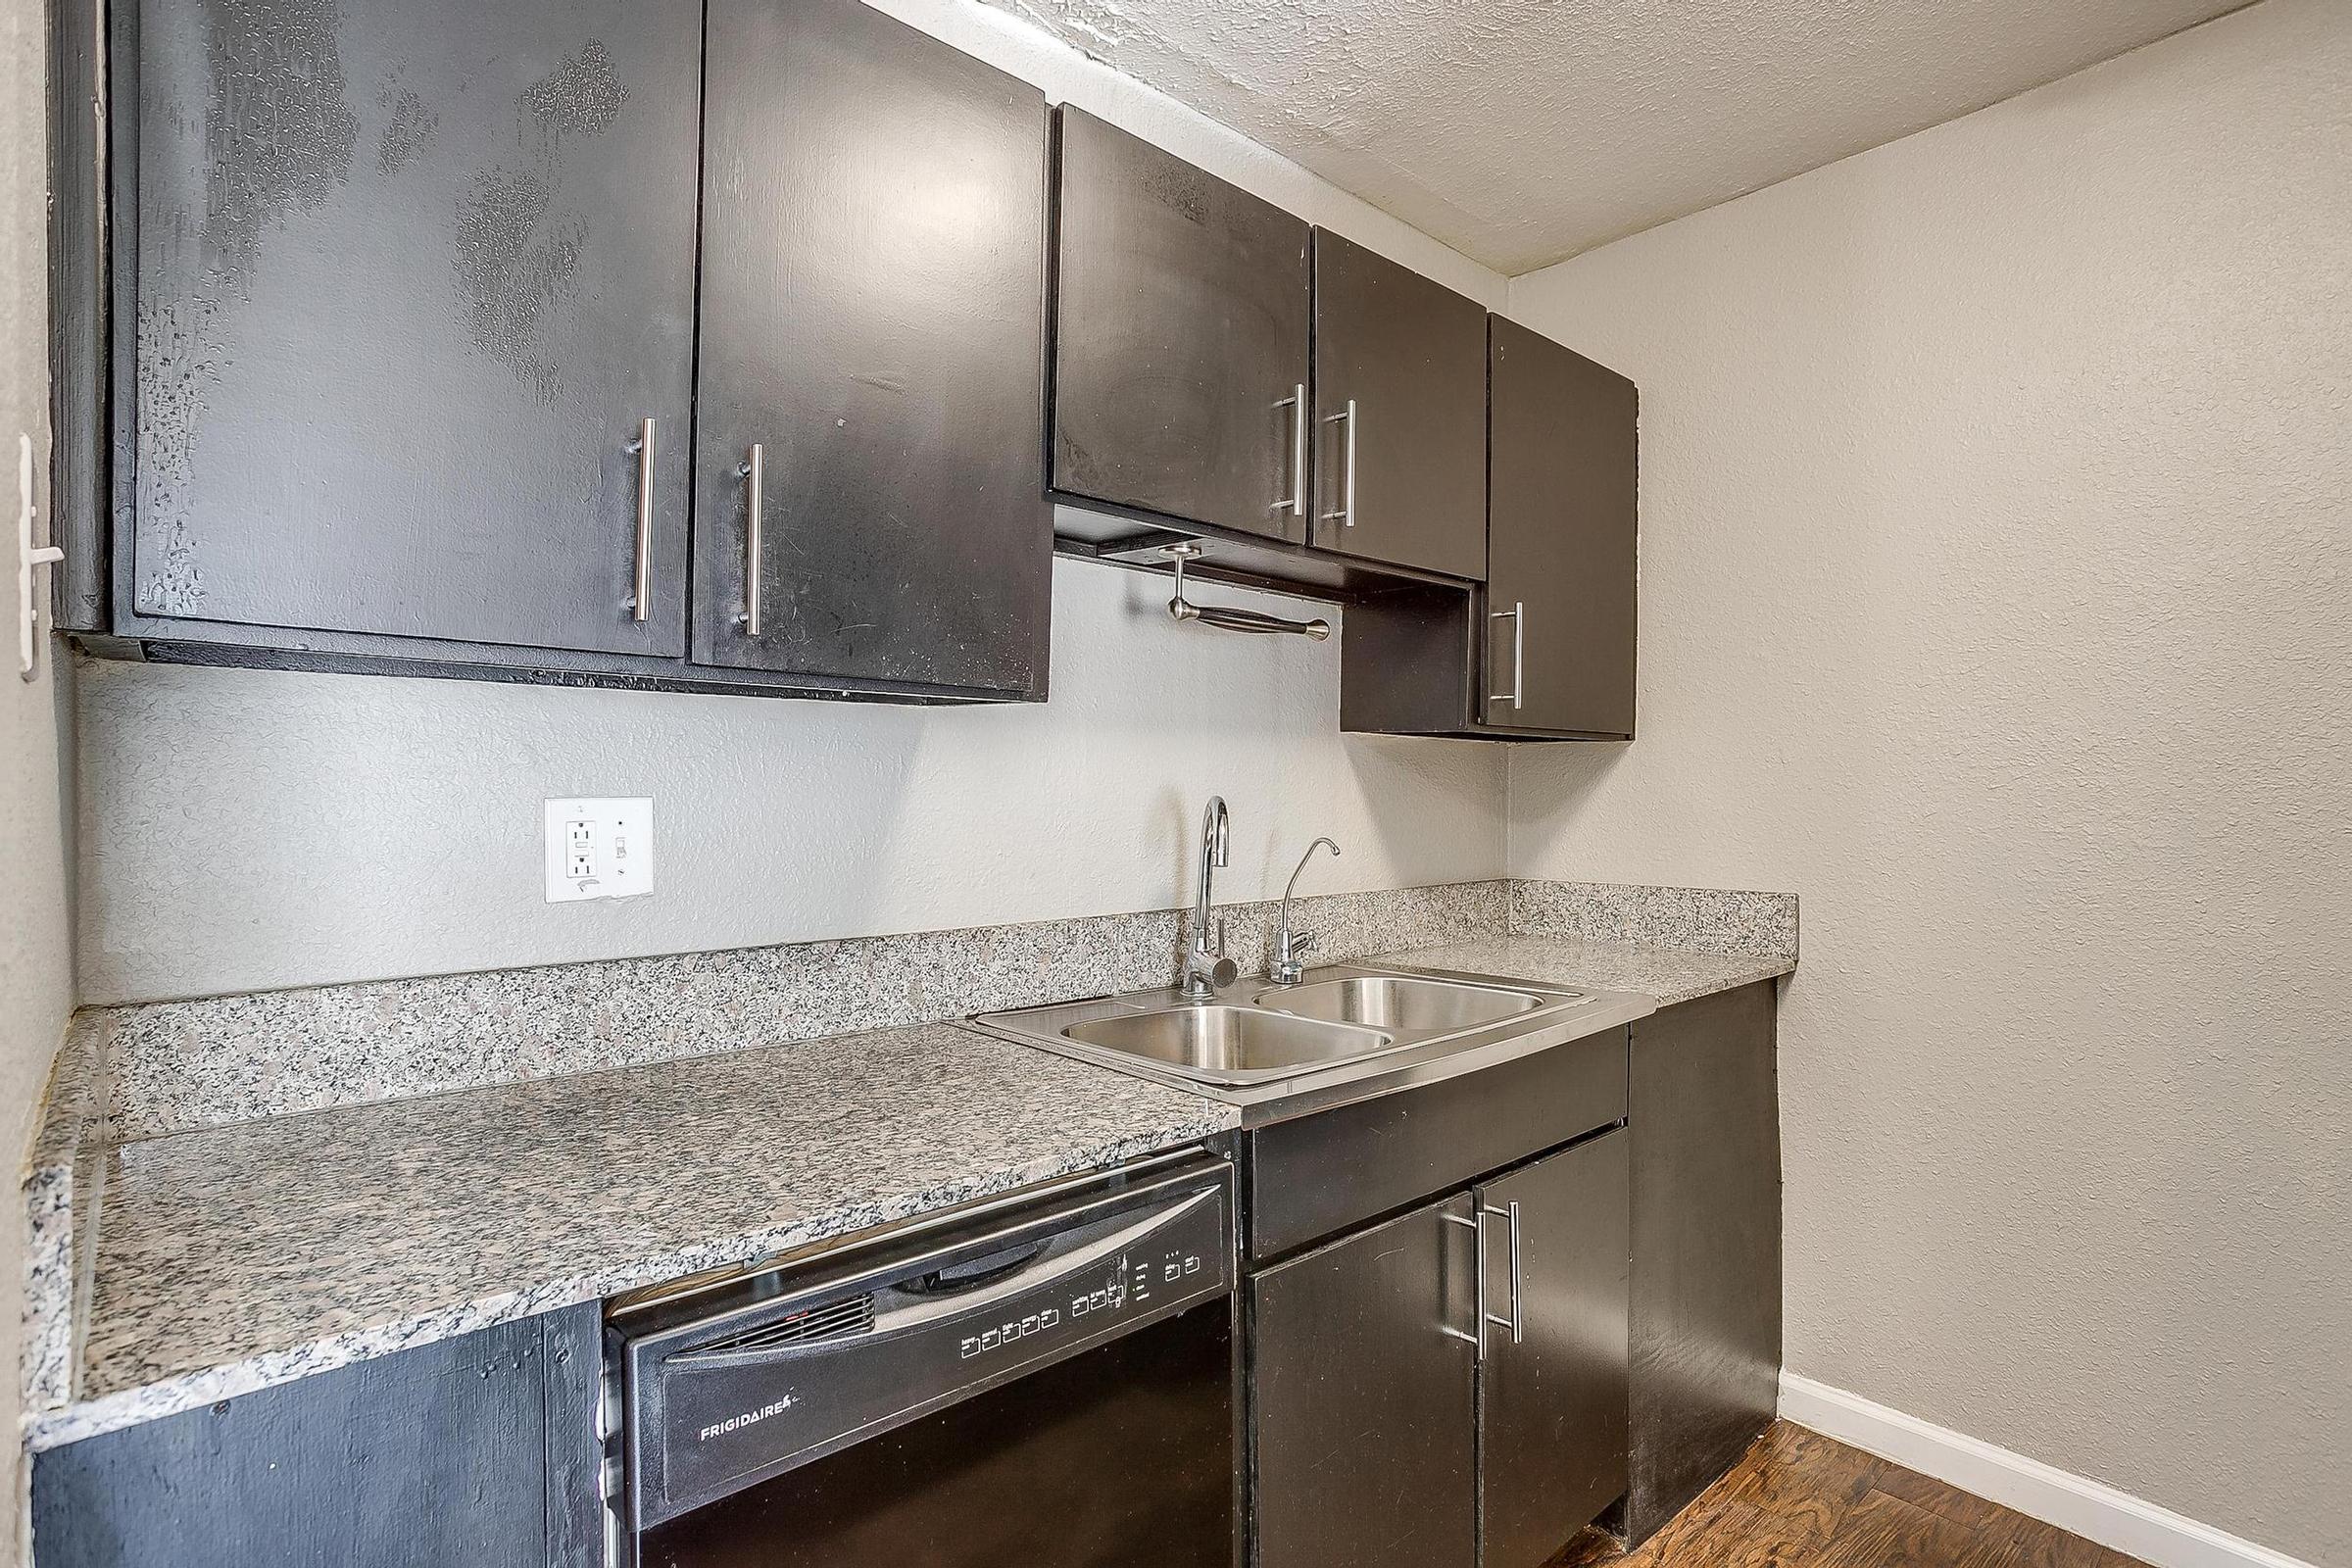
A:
(598, 848)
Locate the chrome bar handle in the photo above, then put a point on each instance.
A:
(1478, 1228)
(1231, 617)
(1517, 1321)
(1296, 404)
(1345, 515)
(643, 446)
(753, 470)
(1517, 617)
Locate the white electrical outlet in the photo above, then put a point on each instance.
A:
(598, 849)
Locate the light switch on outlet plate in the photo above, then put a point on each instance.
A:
(598, 849)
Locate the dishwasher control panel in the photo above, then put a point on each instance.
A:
(1139, 1283)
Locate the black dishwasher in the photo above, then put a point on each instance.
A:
(1044, 1384)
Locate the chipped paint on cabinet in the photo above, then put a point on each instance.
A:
(407, 282)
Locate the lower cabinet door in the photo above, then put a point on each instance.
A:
(1552, 1428)
(1706, 1321)
(1364, 1430)
(472, 1452)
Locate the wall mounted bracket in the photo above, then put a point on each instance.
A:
(28, 557)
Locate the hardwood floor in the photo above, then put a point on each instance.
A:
(1799, 1500)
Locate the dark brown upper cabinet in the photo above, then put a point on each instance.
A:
(404, 286)
(551, 340)
(872, 356)
(1562, 535)
(404, 359)
(1180, 340)
(1545, 651)
(1401, 412)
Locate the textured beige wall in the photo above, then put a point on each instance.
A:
(1997, 598)
(36, 974)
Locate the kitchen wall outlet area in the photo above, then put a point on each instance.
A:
(598, 849)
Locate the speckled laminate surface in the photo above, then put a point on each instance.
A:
(179, 1065)
(1690, 919)
(1669, 974)
(236, 1258)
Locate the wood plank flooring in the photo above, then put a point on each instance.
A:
(1799, 1500)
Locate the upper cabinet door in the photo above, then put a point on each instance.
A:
(1561, 537)
(411, 278)
(872, 354)
(1401, 412)
(1180, 340)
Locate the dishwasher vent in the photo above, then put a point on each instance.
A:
(844, 1319)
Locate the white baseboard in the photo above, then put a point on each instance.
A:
(2074, 1503)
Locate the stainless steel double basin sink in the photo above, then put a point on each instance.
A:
(1286, 1028)
(1255, 1041)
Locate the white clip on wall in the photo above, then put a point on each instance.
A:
(1229, 617)
(28, 558)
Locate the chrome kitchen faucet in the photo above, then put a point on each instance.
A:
(1204, 972)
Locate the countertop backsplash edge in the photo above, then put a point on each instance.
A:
(178, 1067)
(1713, 920)
(213, 1061)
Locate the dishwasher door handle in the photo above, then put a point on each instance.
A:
(1047, 1268)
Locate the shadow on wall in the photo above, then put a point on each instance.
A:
(1550, 788)
(1256, 718)
(249, 830)
(361, 827)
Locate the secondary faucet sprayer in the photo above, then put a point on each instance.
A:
(1285, 968)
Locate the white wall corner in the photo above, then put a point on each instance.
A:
(2074, 1503)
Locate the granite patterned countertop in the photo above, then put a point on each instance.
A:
(253, 1224)
(1669, 974)
(235, 1257)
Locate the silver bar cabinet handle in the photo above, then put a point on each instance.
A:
(753, 470)
(1517, 617)
(643, 446)
(1517, 1321)
(1345, 515)
(1296, 404)
(1477, 1228)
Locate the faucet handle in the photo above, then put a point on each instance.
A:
(1220, 936)
(1285, 968)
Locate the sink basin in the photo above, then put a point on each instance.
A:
(1222, 1041)
(1348, 1032)
(1389, 1001)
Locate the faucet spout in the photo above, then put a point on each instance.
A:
(1206, 970)
(1216, 850)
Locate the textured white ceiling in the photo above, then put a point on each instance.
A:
(1521, 131)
